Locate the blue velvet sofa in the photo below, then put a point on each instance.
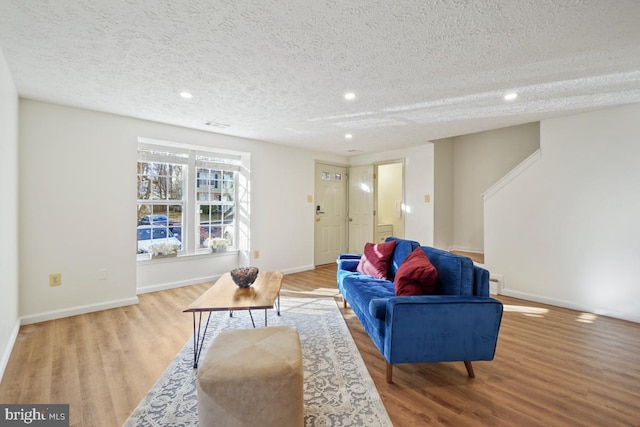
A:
(460, 322)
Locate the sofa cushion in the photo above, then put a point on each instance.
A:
(455, 272)
(375, 259)
(360, 290)
(416, 275)
(402, 250)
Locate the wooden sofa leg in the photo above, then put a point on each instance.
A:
(469, 369)
(344, 302)
(389, 373)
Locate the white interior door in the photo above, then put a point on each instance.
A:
(360, 207)
(331, 213)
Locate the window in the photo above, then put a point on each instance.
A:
(215, 199)
(170, 212)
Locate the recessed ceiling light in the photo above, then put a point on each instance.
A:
(510, 96)
(348, 136)
(349, 96)
(186, 95)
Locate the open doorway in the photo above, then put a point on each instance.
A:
(356, 205)
(389, 200)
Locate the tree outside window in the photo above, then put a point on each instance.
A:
(168, 211)
(160, 204)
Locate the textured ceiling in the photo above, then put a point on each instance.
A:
(277, 70)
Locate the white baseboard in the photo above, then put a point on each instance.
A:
(74, 311)
(298, 269)
(197, 281)
(9, 348)
(466, 249)
(178, 284)
(571, 305)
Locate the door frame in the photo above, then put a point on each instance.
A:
(376, 165)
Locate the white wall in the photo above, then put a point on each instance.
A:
(9, 323)
(443, 194)
(77, 209)
(481, 159)
(418, 176)
(565, 231)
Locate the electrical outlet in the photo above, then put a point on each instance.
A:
(102, 274)
(256, 254)
(55, 279)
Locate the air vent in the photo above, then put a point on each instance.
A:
(217, 125)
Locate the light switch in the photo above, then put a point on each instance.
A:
(309, 198)
(427, 198)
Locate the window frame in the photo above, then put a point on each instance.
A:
(192, 158)
(226, 231)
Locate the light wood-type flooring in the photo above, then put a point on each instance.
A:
(475, 256)
(553, 366)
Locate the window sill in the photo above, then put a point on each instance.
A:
(145, 259)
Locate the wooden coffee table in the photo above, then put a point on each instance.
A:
(224, 295)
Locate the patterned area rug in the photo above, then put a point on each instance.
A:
(338, 390)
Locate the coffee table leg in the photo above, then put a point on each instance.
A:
(196, 338)
(198, 343)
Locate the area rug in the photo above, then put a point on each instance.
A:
(338, 390)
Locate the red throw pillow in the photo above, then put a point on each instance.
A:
(416, 275)
(375, 259)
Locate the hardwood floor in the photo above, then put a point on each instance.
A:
(553, 366)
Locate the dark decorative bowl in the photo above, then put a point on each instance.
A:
(244, 276)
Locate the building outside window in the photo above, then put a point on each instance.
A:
(185, 197)
(215, 200)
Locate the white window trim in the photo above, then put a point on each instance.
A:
(190, 215)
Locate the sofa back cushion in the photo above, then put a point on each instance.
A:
(402, 250)
(455, 272)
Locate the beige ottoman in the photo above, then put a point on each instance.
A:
(252, 377)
